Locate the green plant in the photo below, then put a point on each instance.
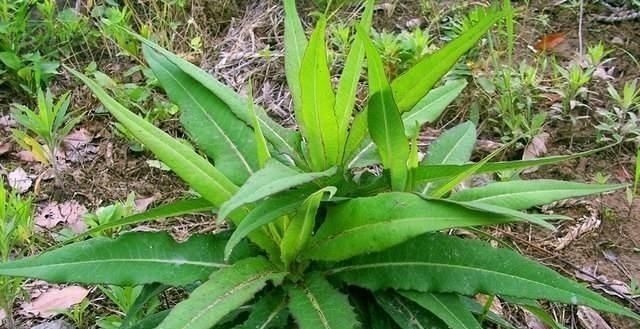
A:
(49, 123)
(16, 229)
(620, 123)
(29, 25)
(313, 242)
(111, 213)
(129, 301)
(78, 314)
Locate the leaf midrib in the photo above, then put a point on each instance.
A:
(122, 260)
(453, 266)
(226, 138)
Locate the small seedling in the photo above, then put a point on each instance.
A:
(108, 214)
(45, 128)
(620, 123)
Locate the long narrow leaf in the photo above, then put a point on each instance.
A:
(448, 307)
(371, 224)
(225, 291)
(385, 124)
(295, 43)
(133, 259)
(431, 106)
(450, 264)
(185, 162)
(430, 173)
(273, 178)
(285, 141)
(524, 194)
(346, 92)
(209, 121)
(317, 117)
(315, 304)
(147, 293)
(411, 86)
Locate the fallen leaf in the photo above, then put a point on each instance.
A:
(69, 213)
(550, 41)
(143, 204)
(487, 146)
(536, 148)
(19, 180)
(5, 147)
(54, 301)
(590, 319)
(611, 287)
(496, 305)
(6, 122)
(158, 165)
(26, 156)
(2, 315)
(604, 73)
(77, 147)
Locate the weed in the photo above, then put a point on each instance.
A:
(108, 214)
(49, 124)
(16, 229)
(78, 314)
(620, 123)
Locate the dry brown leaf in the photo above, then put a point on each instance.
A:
(19, 180)
(532, 322)
(611, 287)
(590, 319)
(5, 147)
(6, 122)
(26, 156)
(536, 148)
(550, 41)
(77, 146)
(69, 213)
(143, 204)
(54, 301)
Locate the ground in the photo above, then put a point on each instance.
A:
(612, 248)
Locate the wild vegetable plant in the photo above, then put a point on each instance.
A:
(45, 127)
(16, 228)
(318, 242)
(621, 122)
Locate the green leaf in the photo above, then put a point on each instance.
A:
(316, 117)
(203, 177)
(132, 259)
(411, 86)
(299, 230)
(270, 312)
(148, 292)
(262, 148)
(454, 146)
(636, 181)
(365, 225)
(467, 267)
(346, 93)
(208, 120)
(385, 124)
(10, 60)
(430, 173)
(428, 110)
(537, 219)
(524, 194)
(431, 106)
(225, 291)
(264, 213)
(406, 313)
(448, 307)
(315, 304)
(285, 141)
(177, 208)
(295, 44)
(273, 178)
(151, 321)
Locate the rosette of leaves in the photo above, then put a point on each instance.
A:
(318, 242)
